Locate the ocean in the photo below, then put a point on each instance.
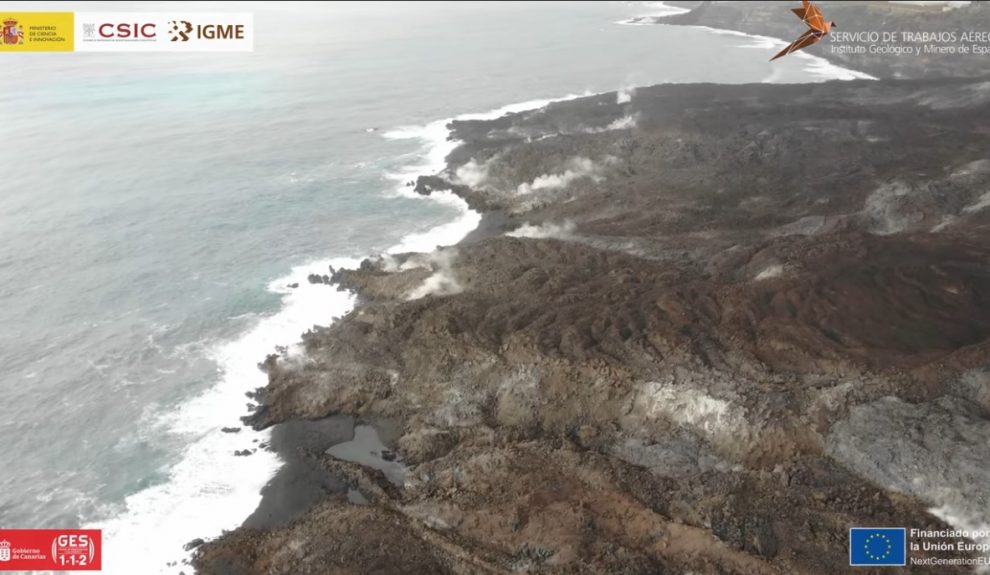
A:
(155, 209)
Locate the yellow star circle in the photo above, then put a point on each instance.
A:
(878, 556)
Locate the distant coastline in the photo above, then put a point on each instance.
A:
(827, 68)
(773, 20)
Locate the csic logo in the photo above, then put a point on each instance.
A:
(4, 551)
(126, 31)
(179, 30)
(12, 35)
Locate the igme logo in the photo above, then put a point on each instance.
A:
(183, 30)
(179, 30)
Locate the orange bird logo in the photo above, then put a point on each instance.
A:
(818, 28)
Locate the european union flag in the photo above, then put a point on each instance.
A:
(869, 546)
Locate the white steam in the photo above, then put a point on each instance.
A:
(626, 122)
(545, 230)
(624, 96)
(577, 168)
(443, 281)
(623, 123)
(473, 174)
(774, 271)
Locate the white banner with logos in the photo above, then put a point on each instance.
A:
(164, 32)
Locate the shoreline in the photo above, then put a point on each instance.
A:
(771, 20)
(830, 69)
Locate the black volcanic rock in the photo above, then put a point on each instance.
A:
(704, 353)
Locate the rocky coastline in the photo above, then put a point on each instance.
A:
(855, 22)
(703, 328)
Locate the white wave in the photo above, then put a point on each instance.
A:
(442, 235)
(209, 489)
(437, 145)
(826, 70)
(818, 66)
(657, 10)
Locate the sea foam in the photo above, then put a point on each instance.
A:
(658, 10)
(210, 490)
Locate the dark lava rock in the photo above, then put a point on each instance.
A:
(656, 390)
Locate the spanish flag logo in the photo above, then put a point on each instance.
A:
(37, 32)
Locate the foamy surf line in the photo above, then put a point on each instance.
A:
(660, 9)
(437, 145)
(817, 65)
(211, 490)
